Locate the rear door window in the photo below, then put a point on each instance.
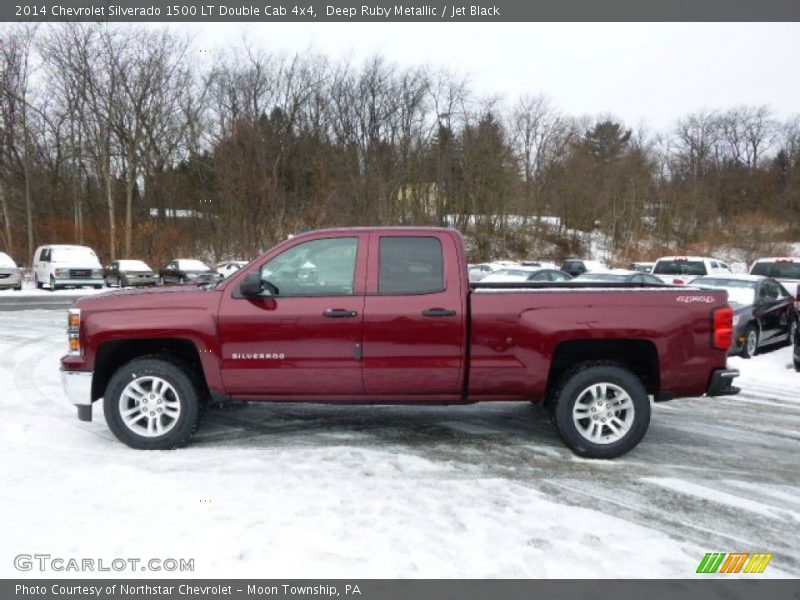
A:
(410, 265)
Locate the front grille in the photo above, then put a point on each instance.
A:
(5, 275)
(80, 273)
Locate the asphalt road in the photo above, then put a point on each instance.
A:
(10, 303)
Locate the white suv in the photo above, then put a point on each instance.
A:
(680, 270)
(58, 266)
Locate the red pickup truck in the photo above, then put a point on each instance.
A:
(387, 315)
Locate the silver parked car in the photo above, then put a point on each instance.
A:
(10, 273)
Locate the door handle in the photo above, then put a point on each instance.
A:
(339, 313)
(439, 312)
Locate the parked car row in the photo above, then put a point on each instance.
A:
(766, 301)
(58, 266)
(532, 270)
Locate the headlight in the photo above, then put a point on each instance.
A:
(97, 272)
(61, 272)
(735, 320)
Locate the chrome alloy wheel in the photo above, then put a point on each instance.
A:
(752, 342)
(149, 406)
(603, 413)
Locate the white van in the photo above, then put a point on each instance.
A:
(59, 266)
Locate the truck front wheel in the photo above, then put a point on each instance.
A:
(601, 411)
(151, 404)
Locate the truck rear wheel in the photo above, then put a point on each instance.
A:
(152, 404)
(601, 411)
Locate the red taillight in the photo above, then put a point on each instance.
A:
(723, 328)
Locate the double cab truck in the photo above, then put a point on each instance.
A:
(388, 316)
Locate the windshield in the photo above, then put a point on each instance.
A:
(76, 254)
(778, 269)
(603, 277)
(192, 265)
(133, 265)
(680, 267)
(740, 292)
(6, 262)
(513, 272)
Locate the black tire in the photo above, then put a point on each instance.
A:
(98, 287)
(18, 288)
(37, 283)
(52, 284)
(749, 348)
(178, 375)
(791, 334)
(572, 388)
(797, 365)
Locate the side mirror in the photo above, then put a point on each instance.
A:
(251, 286)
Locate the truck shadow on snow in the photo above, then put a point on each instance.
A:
(324, 424)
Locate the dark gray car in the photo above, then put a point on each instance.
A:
(764, 312)
(125, 273)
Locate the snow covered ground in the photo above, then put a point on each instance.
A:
(485, 490)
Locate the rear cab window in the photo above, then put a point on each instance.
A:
(680, 266)
(777, 269)
(410, 265)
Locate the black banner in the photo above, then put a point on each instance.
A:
(391, 11)
(372, 589)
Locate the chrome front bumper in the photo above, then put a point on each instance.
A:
(80, 282)
(12, 281)
(78, 387)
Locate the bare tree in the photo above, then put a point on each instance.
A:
(16, 55)
(748, 132)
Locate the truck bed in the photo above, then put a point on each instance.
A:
(524, 335)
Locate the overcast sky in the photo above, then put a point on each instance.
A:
(640, 72)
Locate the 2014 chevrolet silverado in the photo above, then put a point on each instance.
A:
(388, 315)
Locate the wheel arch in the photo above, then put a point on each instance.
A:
(114, 353)
(637, 355)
